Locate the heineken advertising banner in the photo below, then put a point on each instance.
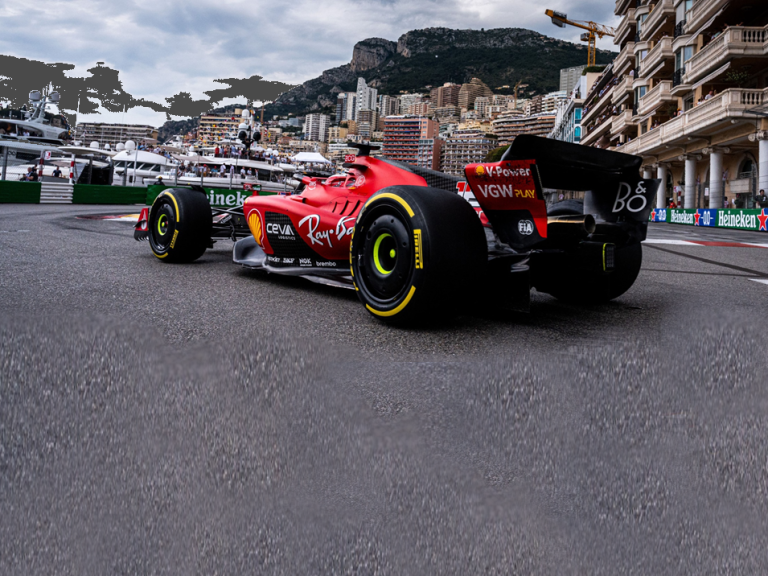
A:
(218, 197)
(756, 220)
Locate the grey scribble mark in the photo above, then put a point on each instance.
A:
(104, 89)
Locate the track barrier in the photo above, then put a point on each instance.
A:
(737, 219)
(19, 192)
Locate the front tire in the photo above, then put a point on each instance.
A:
(416, 253)
(180, 225)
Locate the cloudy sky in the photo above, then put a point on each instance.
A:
(162, 47)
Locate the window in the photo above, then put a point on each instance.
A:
(577, 133)
(640, 20)
(682, 56)
(688, 103)
(577, 114)
(640, 92)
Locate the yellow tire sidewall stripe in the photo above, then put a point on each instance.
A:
(394, 197)
(394, 311)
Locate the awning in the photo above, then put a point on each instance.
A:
(311, 157)
(711, 76)
(709, 22)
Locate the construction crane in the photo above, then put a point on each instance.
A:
(594, 31)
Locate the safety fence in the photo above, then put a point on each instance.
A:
(30, 193)
(20, 192)
(755, 220)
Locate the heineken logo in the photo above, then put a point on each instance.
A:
(737, 220)
(227, 197)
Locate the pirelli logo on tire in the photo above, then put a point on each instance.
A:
(419, 254)
(173, 240)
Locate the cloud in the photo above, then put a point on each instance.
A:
(174, 47)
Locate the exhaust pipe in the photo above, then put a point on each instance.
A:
(570, 227)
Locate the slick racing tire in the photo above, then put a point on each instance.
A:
(416, 253)
(566, 208)
(579, 287)
(180, 225)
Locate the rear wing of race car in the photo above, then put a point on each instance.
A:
(510, 191)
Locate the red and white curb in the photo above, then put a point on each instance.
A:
(704, 243)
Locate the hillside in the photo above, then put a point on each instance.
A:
(430, 57)
(421, 58)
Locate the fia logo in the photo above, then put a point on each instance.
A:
(525, 227)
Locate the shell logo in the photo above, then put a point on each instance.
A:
(480, 170)
(254, 223)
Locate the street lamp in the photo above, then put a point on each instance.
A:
(247, 133)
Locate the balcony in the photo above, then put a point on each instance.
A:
(622, 89)
(593, 134)
(621, 7)
(626, 56)
(702, 120)
(700, 12)
(627, 25)
(593, 111)
(621, 122)
(735, 42)
(661, 52)
(660, 94)
(663, 12)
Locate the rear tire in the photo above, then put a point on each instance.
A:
(416, 254)
(180, 225)
(584, 287)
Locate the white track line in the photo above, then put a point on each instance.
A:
(761, 280)
(668, 241)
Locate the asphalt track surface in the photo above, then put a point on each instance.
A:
(204, 419)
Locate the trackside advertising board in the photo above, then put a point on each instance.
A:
(218, 197)
(754, 220)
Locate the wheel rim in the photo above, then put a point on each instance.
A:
(385, 257)
(385, 253)
(163, 228)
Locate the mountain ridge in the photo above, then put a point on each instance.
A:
(431, 56)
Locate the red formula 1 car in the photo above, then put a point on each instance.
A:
(416, 243)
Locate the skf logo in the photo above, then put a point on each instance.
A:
(480, 170)
(525, 227)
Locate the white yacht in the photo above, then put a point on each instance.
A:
(135, 167)
(28, 133)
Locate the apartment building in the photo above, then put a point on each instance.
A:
(569, 111)
(408, 100)
(464, 147)
(337, 133)
(508, 125)
(428, 153)
(113, 134)
(389, 106)
(366, 98)
(445, 95)
(403, 136)
(316, 127)
(688, 93)
(215, 127)
(472, 90)
(482, 106)
(569, 77)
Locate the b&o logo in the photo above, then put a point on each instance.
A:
(626, 199)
